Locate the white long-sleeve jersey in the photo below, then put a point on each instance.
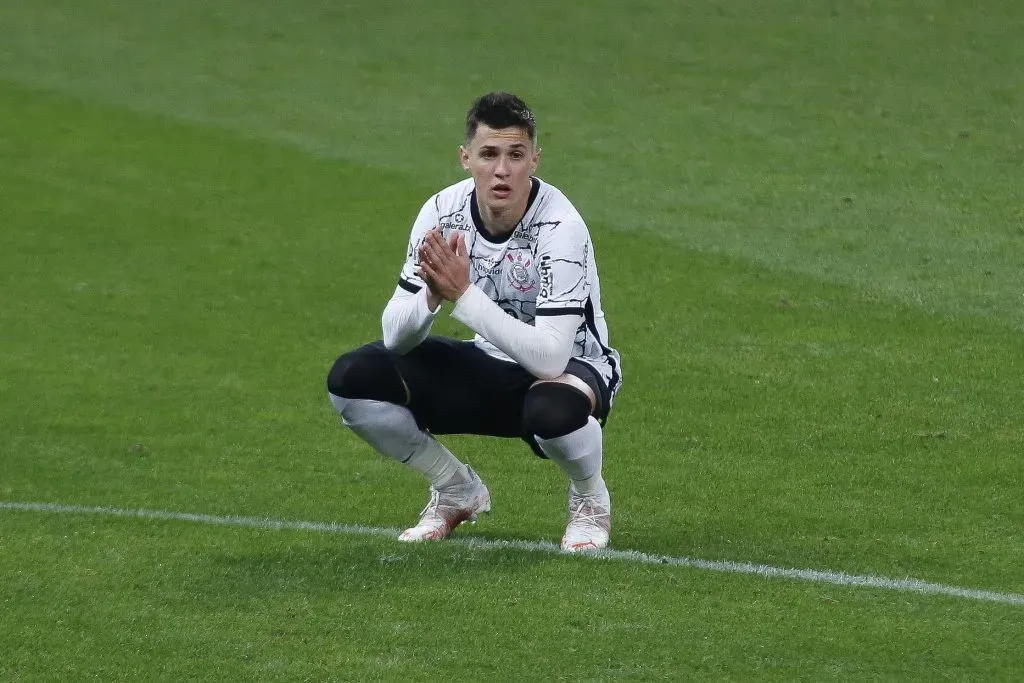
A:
(535, 296)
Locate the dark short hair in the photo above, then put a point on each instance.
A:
(500, 110)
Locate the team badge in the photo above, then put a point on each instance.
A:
(519, 273)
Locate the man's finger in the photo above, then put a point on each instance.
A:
(431, 252)
(428, 240)
(439, 241)
(435, 238)
(435, 282)
(428, 275)
(432, 273)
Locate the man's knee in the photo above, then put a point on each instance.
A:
(554, 409)
(368, 373)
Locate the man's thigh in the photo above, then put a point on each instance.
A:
(455, 388)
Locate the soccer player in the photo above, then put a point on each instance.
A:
(514, 259)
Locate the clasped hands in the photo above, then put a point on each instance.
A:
(444, 266)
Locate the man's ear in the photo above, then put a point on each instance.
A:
(464, 156)
(535, 161)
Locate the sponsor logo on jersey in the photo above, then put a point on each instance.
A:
(527, 232)
(486, 266)
(546, 277)
(519, 275)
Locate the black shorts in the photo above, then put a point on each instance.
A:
(456, 388)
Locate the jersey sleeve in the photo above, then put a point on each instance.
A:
(409, 279)
(563, 254)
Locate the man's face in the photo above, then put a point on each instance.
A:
(501, 162)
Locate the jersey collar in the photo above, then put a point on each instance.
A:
(478, 222)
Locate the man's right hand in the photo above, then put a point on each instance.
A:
(444, 265)
(434, 298)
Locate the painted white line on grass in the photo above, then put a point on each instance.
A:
(768, 571)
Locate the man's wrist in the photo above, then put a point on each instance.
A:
(467, 307)
(462, 293)
(431, 301)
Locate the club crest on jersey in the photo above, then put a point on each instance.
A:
(519, 273)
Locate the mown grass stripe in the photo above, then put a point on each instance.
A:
(813, 575)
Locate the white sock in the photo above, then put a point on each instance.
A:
(579, 454)
(392, 431)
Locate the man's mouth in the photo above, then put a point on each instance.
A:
(501, 190)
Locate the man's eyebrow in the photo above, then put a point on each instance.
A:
(513, 145)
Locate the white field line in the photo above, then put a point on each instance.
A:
(813, 575)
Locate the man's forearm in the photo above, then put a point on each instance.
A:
(544, 349)
(407, 319)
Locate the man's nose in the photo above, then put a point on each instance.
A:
(501, 169)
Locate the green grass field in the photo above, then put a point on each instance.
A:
(809, 219)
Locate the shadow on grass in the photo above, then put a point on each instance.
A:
(358, 566)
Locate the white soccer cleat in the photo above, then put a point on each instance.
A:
(590, 522)
(449, 507)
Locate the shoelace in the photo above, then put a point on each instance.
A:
(435, 502)
(435, 505)
(587, 510)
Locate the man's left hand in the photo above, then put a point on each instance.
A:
(444, 266)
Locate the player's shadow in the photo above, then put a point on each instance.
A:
(363, 565)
